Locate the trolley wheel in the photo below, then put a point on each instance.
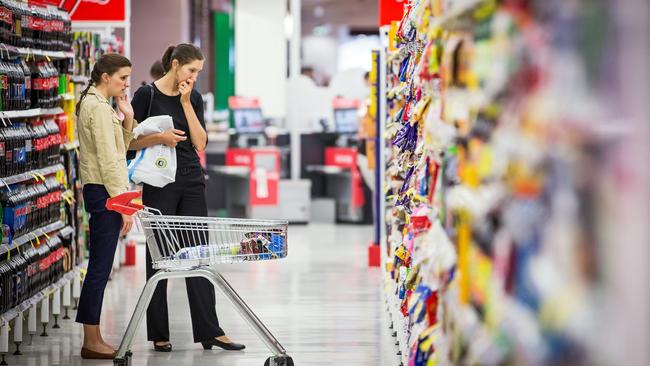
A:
(280, 361)
(123, 361)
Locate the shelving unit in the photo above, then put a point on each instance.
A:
(31, 52)
(34, 174)
(69, 225)
(483, 159)
(452, 18)
(79, 79)
(34, 112)
(10, 315)
(68, 96)
(27, 238)
(71, 145)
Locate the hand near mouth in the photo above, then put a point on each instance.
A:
(185, 88)
(124, 106)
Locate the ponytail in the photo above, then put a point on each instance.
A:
(82, 96)
(184, 53)
(167, 58)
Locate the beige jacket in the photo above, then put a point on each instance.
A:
(103, 144)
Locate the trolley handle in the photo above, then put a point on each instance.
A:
(122, 203)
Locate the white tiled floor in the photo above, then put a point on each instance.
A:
(322, 303)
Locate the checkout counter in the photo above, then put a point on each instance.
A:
(253, 170)
(329, 160)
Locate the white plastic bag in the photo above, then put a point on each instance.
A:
(155, 165)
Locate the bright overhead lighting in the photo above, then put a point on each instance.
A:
(288, 26)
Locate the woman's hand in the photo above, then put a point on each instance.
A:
(125, 107)
(127, 223)
(185, 88)
(172, 137)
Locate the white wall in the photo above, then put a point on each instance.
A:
(320, 53)
(261, 53)
(311, 103)
(350, 84)
(356, 52)
(153, 28)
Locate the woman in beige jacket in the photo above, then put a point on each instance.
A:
(103, 138)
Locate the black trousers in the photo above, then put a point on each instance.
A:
(104, 228)
(184, 197)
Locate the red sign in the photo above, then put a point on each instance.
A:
(345, 157)
(270, 178)
(243, 103)
(95, 10)
(390, 10)
(345, 103)
(44, 2)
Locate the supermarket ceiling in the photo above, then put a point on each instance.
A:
(358, 15)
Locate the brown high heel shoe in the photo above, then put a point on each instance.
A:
(92, 355)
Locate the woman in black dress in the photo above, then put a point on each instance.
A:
(173, 95)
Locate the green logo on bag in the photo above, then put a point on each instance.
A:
(161, 163)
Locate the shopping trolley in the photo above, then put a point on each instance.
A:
(187, 246)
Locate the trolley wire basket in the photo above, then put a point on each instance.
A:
(186, 241)
(188, 246)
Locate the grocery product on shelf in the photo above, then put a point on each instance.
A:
(43, 28)
(491, 250)
(42, 233)
(87, 49)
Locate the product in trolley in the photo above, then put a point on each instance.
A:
(203, 252)
(263, 245)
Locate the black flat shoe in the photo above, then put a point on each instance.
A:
(227, 346)
(165, 348)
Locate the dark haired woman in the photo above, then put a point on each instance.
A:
(174, 96)
(103, 139)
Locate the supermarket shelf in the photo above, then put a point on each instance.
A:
(66, 231)
(34, 112)
(24, 177)
(25, 305)
(21, 51)
(23, 239)
(452, 18)
(79, 79)
(51, 111)
(68, 96)
(71, 145)
(68, 195)
(398, 321)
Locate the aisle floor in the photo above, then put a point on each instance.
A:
(322, 303)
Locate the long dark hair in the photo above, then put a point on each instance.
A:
(109, 63)
(183, 52)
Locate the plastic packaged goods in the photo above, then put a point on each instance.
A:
(31, 206)
(484, 224)
(6, 24)
(45, 28)
(32, 260)
(87, 48)
(254, 246)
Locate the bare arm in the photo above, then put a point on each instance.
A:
(126, 109)
(198, 136)
(146, 141)
(170, 138)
